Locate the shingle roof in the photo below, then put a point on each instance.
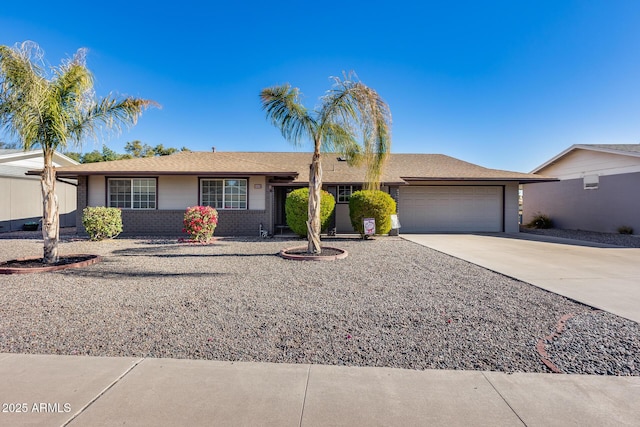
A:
(295, 165)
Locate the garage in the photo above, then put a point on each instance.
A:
(431, 208)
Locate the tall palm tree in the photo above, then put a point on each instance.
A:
(49, 109)
(348, 110)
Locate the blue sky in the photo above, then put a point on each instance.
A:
(504, 84)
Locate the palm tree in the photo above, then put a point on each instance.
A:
(349, 109)
(49, 110)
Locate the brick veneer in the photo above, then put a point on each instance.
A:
(169, 222)
(81, 203)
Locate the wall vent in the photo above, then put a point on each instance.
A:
(591, 182)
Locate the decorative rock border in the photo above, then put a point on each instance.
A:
(91, 259)
(284, 253)
(540, 346)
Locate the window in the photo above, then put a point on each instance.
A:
(224, 193)
(345, 191)
(591, 182)
(132, 193)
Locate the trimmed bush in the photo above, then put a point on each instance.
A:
(371, 204)
(297, 205)
(101, 222)
(200, 222)
(540, 220)
(625, 229)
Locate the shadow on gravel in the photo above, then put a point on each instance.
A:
(162, 253)
(101, 274)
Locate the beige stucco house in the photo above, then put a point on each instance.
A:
(598, 188)
(434, 192)
(21, 195)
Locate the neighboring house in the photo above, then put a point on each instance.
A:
(435, 193)
(21, 194)
(598, 190)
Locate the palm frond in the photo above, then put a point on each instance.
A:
(338, 138)
(21, 90)
(283, 107)
(354, 105)
(107, 114)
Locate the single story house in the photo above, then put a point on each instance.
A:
(21, 194)
(598, 188)
(434, 192)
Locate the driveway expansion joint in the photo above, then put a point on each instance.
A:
(304, 398)
(503, 398)
(106, 389)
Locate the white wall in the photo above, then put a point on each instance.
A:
(177, 192)
(579, 163)
(96, 193)
(257, 196)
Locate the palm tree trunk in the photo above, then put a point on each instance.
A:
(315, 186)
(50, 218)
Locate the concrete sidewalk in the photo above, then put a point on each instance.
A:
(101, 391)
(602, 276)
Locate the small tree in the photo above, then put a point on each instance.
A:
(374, 204)
(350, 109)
(49, 109)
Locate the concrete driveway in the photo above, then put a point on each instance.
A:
(602, 276)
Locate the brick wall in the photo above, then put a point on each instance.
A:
(169, 222)
(81, 203)
(241, 223)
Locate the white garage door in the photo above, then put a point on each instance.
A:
(424, 209)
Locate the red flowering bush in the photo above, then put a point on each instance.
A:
(200, 222)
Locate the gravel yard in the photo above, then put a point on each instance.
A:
(626, 240)
(389, 303)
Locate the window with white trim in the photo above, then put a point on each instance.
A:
(132, 193)
(224, 193)
(345, 191)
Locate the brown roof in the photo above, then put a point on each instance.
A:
(399, 169)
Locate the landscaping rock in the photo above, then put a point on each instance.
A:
(389, 303)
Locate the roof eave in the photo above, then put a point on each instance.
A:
(71, 174)
(583, 147)
(521, 180)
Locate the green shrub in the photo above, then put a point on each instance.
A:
(101, 222)
(200, 222)
(540, 220)
(625, 229)
(297, 205)
(371, 204)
